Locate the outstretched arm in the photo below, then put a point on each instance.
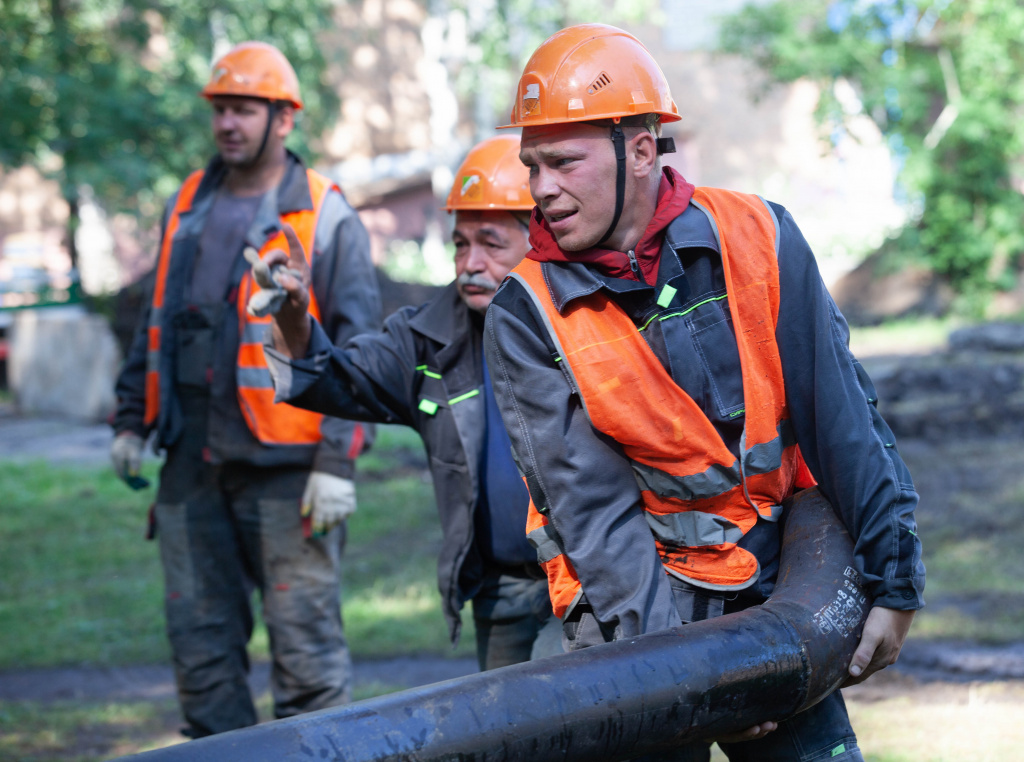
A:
(291, 323)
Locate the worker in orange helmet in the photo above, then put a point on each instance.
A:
(427, 371)
(671, 368)
(251, 493)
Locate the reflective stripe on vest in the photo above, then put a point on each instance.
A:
(270, 423)
(699, 499)
(276, 424)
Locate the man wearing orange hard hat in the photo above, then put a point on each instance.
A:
(671, 368)
(251, 494)
(426, 370)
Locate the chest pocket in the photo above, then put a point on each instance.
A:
(431, 396)
(195, 333)
(708, 329)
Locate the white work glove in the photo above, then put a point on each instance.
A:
(126, 456)
(270, 297)
(328, 500)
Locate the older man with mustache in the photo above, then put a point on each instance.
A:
(427, 370)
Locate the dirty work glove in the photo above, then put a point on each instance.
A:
(327, 501)
(270, 297)
(126, 455)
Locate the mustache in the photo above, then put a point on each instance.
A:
(478, 280)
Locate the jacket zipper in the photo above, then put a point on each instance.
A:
(635, 266)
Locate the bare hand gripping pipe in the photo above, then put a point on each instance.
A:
(609, 702)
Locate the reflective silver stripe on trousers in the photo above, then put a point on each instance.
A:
(547, 543)
(693, 529)
(254, 378)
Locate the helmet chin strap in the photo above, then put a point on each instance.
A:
(272, 108)
(619, 141)
(664, 145)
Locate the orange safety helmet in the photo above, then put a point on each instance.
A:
(589, 72)
(492, 177)
(254, 70)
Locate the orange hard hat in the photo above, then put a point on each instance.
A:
(492, 177)
(589, 72)
(254, 70)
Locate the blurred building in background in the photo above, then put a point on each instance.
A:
(406, 121)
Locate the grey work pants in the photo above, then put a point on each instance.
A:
(224, 531)
(513, 619)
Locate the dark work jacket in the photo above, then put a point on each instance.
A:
(346, 289)
(424, 371)
(586, 483)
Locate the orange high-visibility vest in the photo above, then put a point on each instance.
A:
(699, 499)
(271, 424)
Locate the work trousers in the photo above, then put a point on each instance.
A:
(225, 531)
(513, 618)
(820, 733)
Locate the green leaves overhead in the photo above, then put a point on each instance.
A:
(943, 82)
(105, 93)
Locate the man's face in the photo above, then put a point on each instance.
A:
(488, 244)
(239, 125)
(572, 179)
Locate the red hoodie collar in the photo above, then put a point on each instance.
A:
(673, 197)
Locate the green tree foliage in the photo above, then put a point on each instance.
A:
(502, 34)
(943, 82)
(104, 93)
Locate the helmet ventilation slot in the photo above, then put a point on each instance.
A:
(602, 81)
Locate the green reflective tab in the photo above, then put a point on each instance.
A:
(839, 750)
(428, 406)
(462, 397)
(665, 299)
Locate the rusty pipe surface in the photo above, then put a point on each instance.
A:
(610, 702)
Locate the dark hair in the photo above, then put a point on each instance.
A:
(649, 122)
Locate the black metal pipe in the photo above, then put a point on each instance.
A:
(609, 702)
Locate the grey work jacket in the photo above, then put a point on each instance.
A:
(346, 289)
(586, 483)
(424, 371)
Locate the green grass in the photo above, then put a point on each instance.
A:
(74, 731)
(80, 585)
(960, 723)
(902, 336)
(981, 725)
(84, 731)
(969, 522)
(979, 722)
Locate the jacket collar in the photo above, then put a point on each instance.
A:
(443, 317)
(571, 280)
(447, 320)
(293, 192)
